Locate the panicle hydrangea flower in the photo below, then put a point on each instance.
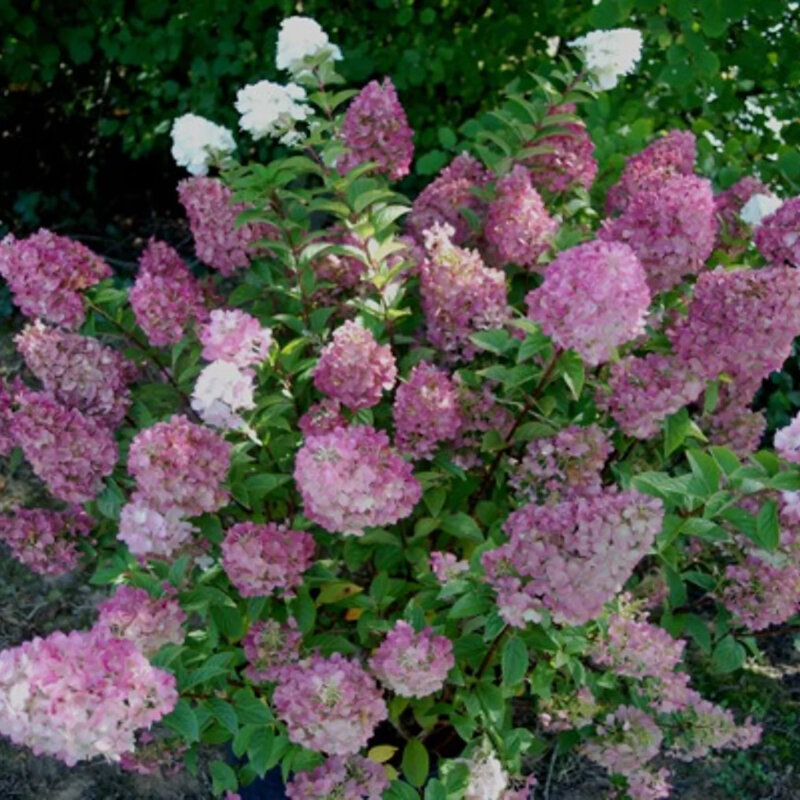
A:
(571, 160)
(47, 273)
(672, 228)
(322, 417)
(150, 533)
(80, 695)
(412, 664)
(44, 540)
(329, 704)
(711, 728)
(426, 411)
(731, 205)
(148, 622)
(269, 646)
(68, 450)
(353, 778)
(758, 207)
(627, 739)
(221, 390)
(198, 142)
(643, 392)
(778, 236)
(673, 154)
(644, 784)
(733, 424)
(302, 44)
(259, 558)
(439, 202)
(787, 441)
(165, 297)
(460, 294)
(568, 463)
(571, 557)
(351, 478)
(446, 566)
(269, 109)
(487, 777)
(376, 128)
(78, 371)
(593, 299)
(354, 369)
(7, 443)
(180, 465)
(608, 55)
(156, 755)
(235, 336)
(481, 412)
(218, 240)
(518, 226)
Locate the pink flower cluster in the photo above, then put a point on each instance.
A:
(481, 412)
(218, 241)
(728, 205)
(460, 294)
(155, 755)
(441, 200)
(149, 533)
(711, 727)
(518, 227)
(234, 336)
(593, 299)
(354, 369)
(47, 273)
(376, 129)
(571, 557)
(412, 664)
(570, 160)
(733, 424)
(778, 236)
(78, 371)
(446, 566)
(148, 622)
(672, 228)
(165, 297)
(787, 441)
(80, 695)
(180, 465)
(352, 778)
(68, 450)
(351, 478)
(259, 558)
(426, 411)
(269, 646)
(46, 541)
(329, 704)
(322, 417)
(6, 413)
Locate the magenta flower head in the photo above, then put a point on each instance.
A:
(47, 273)
(730, 203)
(593, 299)
(269, 646)
(778, 236)
(351, 479)
(376, 128)
(352, 778)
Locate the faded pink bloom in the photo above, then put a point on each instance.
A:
(234, 336)
(778, 236)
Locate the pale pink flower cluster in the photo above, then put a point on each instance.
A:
(353, 778)
(460, 294)
(711, 728)
(78, 371)
(180, 465)
(354, 369)
(165, 297)
(643, 784)
(322, 417)
(149, 533)
(351, 478)
(148, 622)
(80, 695)
(329, 704)
(593, 299)
(487, 777)
(412, 664)
(787, 441)
(6, 414)
(568, 463)
(518, 227)
(376, 129)
(672, 228)
(47, 273)
(481, 412)
(447, 566)
(44, 540)
(68, 450)
(259, 558)
(733, 424)
(218, 241)
(426, 411)
(778, 236)
(269, 646)
(441, 200)
(155, 755)
(234, 336)
(571, 160)
(642, 392)
(728, 205)
(572, 557)
(674, 154)
(223, 389)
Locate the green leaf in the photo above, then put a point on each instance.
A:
(260, 751)
(573, 372)
(415, 763)
(514, 661)
(768, 526)
(728, 656)
(250, 710)
(183, 720)
(224, 712)
(435, 790)
(258, 486)
(462, 526)
(705, 468)
(223, 777)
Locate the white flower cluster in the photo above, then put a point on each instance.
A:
(196, 142)
(487, 778)
(221, 390)
(758, 207)
(609, 54)
(269, 109)
(302, 44)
